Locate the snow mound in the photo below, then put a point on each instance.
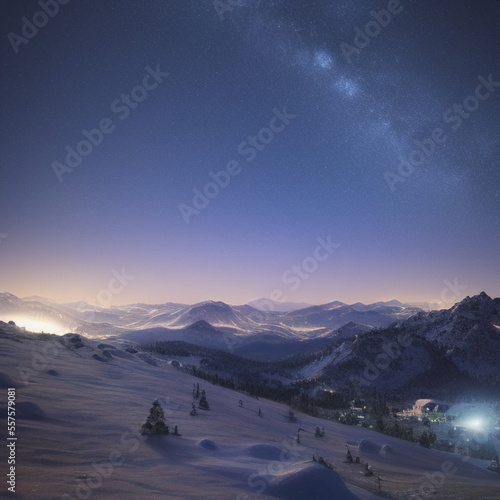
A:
(6, 381)
(368, 446)
(385, 450)
(264, 451)
(117, 353)
(314, 482)
(29, 411)
(208, 444)
(148, 358)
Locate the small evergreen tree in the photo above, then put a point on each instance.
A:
(155, 423)
(319, 432)
(379, 424)
(203, 404)
(427, 439)
(291, 416)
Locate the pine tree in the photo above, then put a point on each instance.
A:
(155, 423)
(319, 433)
(426, 439)
(203, 404)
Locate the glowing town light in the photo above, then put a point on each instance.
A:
(475, 424)
(39, 325)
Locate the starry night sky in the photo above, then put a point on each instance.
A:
(330, 172)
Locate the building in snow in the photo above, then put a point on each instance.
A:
(424, 406)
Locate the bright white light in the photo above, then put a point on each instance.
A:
(40, 325)
(475, 424)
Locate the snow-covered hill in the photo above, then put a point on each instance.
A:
(81, 404)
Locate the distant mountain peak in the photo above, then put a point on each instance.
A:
(37, 298)
(483, 296)
(334, 304)
(212, 303)
(8, 296)
(393, 302)
(481, 303)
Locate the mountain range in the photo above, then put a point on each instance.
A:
(388, 346)
(288, 320)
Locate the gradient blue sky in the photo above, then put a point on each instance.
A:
(322, 176)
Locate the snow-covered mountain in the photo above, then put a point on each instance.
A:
(469, 332)
(449, 348)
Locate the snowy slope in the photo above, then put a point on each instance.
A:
(79, 436)
(314, 369)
